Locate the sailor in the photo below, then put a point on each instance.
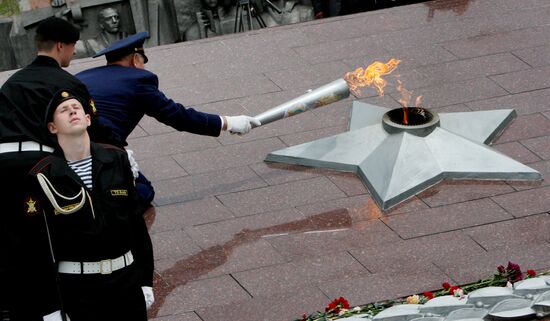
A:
(81, 202)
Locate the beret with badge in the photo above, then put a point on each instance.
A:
(59, 97)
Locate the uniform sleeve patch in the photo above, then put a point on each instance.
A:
(119, 192)
(31, 206)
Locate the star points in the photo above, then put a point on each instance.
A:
(396, 166)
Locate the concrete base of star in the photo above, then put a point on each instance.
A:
(395, 166)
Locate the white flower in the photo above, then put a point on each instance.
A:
(413, 299)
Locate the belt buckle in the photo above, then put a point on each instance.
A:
(106, 266)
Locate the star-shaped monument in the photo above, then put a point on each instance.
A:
(397, 163)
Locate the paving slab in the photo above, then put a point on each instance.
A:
(523, 103)
(447, 218)
(407, 255)
(531, 230)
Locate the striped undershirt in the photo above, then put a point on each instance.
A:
(83, 168)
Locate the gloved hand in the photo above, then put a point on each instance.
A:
(240, 124)
(133, 164)
(149, 296)
(55, 316)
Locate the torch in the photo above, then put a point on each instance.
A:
(327, 94)
(333, 91)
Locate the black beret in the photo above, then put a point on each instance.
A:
(126, 46)
(58, 30)
(59, 97)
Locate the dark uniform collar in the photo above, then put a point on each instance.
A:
(45, 60)
(99, 153)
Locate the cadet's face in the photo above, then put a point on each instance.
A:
(69, 118)
(110, 21)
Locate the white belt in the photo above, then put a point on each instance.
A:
(27, 146)
(101, 267)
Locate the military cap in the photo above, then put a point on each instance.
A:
(57, 29)
(126, 46)
(59, 97)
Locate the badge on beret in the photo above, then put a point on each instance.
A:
(31, 206)
(94, 110)
(64, 94)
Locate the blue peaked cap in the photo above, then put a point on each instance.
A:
(126, 46)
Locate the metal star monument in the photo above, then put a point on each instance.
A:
(397, 162)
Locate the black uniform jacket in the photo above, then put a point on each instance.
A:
(123, 95)
(25, 96)
(113, 227)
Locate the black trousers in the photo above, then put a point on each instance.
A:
(109, 297)
(16, 281)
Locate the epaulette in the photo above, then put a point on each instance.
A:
(38, 167)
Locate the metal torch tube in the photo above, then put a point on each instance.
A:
(327, 94)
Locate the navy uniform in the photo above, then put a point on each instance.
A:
(23, 139)
(102, 251)
(123, 95)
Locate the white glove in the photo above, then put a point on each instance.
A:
(55, 316)
(149, 296)
(240, 124)
(133, 164)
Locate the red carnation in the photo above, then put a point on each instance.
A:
(531, 273)
(501, 269)
(514, 272)
(428, 295)
(337, 304)
(446, 285)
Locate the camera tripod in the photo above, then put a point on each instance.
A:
(249, 9)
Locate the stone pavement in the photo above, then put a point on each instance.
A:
(238, 239)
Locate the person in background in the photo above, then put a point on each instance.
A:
(90, 236)
(123, 92)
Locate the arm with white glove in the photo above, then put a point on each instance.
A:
(239, 124)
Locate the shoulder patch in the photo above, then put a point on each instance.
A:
(31, 206)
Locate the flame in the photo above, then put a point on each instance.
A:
(405, 100)
(371, 76)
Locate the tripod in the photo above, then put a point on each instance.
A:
(248, 9)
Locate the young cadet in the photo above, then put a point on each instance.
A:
(82, 203)
(23, 140)
(123, 92)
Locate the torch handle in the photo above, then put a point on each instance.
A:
(324, 95)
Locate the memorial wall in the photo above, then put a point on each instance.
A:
(168, 21)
